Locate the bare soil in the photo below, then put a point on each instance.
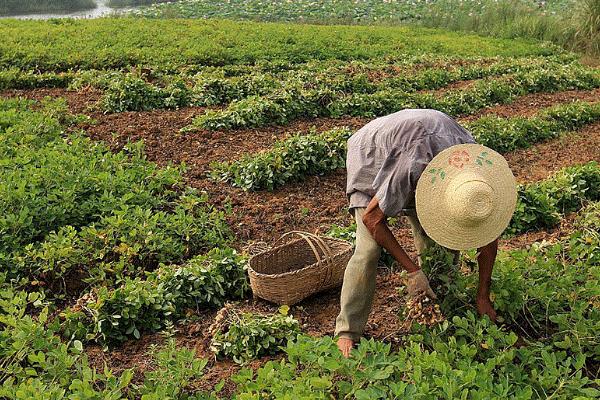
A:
(530, 104)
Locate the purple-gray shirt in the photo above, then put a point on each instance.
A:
(387, 156)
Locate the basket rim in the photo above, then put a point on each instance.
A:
(297, 271)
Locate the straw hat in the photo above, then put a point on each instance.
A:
(466, 196)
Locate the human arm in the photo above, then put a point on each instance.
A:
(375, 221)
(486, 258)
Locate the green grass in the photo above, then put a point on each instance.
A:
(122, 42)
(573, 24)
(12, 7)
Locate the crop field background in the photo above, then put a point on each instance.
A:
(144, 160)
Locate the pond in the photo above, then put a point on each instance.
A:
(102, 9)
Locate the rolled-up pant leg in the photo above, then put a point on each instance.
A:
(358, 288)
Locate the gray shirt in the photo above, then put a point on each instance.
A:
(387, 156)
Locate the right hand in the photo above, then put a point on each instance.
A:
(418, 283)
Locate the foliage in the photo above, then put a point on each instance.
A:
(75, 213)
(110, 43)
(468, 359)
(148, 305)
(50, 179)
(246, 336)
(507, 134)
(288, 160)
(173, 372)
(585, 242)
(541, 204)
(551, 20)
(132, 3)
(574, 25)
(36, 364)
(408, 74)
(586, 26)
(127, 243)
(132, 93)
(289, 103)
(14, 78)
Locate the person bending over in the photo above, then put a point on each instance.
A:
(421, 164)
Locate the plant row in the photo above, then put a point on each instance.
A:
(508, 134)
(288, 160)
(112, 43)
(132, 92)
(166, 294)
(542, 204)
(75, 213)
(311, 154)
(36, 364)
(288, 104)
(360, 77)
(215, 84)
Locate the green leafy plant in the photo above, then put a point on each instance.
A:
(126, 243)
(132, 93)
(174, 369)
(148, 305)
(288, 160)
(35, 363)
(292, 102)
(541, 204)
(246, 336)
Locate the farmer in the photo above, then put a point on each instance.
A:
(421, 164)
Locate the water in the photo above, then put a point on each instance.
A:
(101, 10)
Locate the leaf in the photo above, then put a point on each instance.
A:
(78, 345)
(284, 309)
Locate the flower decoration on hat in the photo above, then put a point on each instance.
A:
(459, 158)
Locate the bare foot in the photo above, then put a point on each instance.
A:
(345, 345)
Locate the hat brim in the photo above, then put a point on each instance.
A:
(433, 209)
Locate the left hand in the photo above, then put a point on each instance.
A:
(418, 283)
(484, 307)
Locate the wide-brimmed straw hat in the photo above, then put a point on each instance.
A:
(466, 197)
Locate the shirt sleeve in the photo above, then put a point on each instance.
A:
(396, 182)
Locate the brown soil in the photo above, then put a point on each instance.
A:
(530, 104)
(539, 161)
(79, 101)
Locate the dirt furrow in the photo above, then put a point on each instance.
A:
(530, 104)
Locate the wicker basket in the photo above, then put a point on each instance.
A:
(288, 273)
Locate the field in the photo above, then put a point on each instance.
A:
(145, 162)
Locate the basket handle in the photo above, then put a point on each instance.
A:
(313, 240)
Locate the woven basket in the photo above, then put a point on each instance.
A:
(288, 273)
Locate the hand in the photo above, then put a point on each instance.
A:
(484, 307)
(418, 283)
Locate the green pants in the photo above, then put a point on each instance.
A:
(358, 288)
